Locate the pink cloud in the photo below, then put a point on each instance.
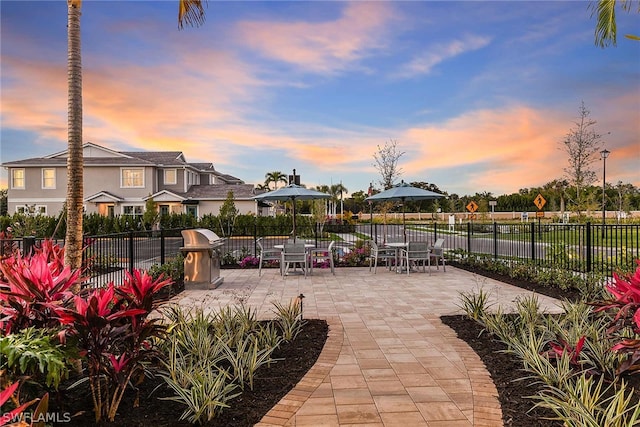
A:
(438, 53)
(511, 148)
(322, 47)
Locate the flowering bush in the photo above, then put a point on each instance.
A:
(249, 262)
(355, 257)
(322, 264)
(626, 320)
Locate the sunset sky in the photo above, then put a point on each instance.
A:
(479, 95)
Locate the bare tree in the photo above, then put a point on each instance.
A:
(623, 196)
(581, 144)
(386, 162)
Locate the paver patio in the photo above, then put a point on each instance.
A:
(389, 360)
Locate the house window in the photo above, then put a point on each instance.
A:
(164, 209)
(17, 178)
(48, 178)
(170, 176)
(192, 210)
(32, 210)
(133, 210)
(132, 178)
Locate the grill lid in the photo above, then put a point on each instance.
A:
(200, 237)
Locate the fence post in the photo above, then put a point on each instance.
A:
(28, 242)
(469, 237)
(533, 241)
(435, 231)
(162, 242)
(495, 240)
(588, 248)
(255, 237)
(131, 260)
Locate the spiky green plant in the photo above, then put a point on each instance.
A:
(584, 402)
(247, 358)
(207, 393)
(528, 309)
(475, 304)
(289, 318)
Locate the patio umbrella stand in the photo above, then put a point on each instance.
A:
(292, 192)
(404, 192)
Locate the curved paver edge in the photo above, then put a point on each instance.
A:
(487, 411)
(287, 407)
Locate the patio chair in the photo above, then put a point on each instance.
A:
(266, 255)
(437, 253)
(321, 255)
(415, 254)
(379, 254)
(294, 254)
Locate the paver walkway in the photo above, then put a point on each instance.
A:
(389, 360)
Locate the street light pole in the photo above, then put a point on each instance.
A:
(603, 155)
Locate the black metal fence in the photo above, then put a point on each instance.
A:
(577, 247)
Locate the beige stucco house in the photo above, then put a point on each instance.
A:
(118, 182)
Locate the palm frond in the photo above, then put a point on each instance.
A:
(190, 12)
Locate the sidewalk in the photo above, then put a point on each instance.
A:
(389, 360)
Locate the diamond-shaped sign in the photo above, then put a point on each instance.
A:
(539, 201)
(472, 206)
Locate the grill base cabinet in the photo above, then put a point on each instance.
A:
(201, 259)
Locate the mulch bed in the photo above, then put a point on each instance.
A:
(272, 383)
(506, 371)
(275, 381)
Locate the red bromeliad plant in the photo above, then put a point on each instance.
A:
(562, 347)
(32, 286)
(115, 336)
(626, 320)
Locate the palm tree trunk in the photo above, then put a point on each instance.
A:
(75, 189)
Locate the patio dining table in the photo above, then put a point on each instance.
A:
(397, 246)
(307, 247)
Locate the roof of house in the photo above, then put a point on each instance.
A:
(160, 158)
(220, 191)
(110, 157)
(207, 192)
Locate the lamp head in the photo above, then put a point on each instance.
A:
(604, 153)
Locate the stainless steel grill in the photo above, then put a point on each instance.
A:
(201, 258)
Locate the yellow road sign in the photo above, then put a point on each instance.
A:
(472, 206)
(539, 201)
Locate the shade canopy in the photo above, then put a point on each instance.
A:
(402, 193)
(291, 192)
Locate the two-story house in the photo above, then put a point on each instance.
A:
(118, 182)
